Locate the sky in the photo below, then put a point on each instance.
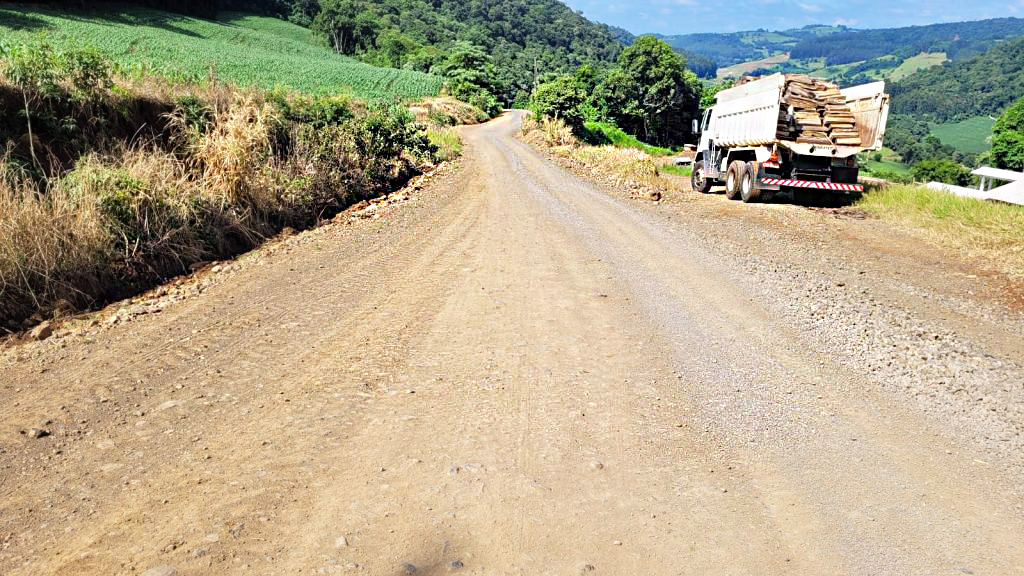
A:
(688, 16)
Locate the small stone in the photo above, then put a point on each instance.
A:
(617, 542)
(200, 552)
(216, 268)
(597, 465)
(587, 568)
(408, 568)
(341, 542)
(38, 433)
(457, 565)
(164, 570)
(41, 332)
(167, 405)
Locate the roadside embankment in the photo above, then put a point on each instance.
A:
(110, 184)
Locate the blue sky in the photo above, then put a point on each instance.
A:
(686, 16)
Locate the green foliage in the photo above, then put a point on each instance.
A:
(913, 140)
(447, 143)
(606, 133)
(651, 93)
(242, 49)
(525, 38)
(707, 99)
(941, 170)
(983, 85)
(1008, 138)
(471, 76)
(562, 98)
(347, 24)
(682, 171)
(890, 175)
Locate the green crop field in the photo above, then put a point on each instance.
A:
(244, 50)
(915, 63)
(970, 135)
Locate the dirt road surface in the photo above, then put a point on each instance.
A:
(520, 372)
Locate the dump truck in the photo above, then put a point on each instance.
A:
(788, 132)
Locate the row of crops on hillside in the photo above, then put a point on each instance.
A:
(248, 51)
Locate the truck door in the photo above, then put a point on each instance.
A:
(870, 106)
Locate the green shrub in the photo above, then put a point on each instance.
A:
(941, 171)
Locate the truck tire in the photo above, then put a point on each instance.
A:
(732, 179)
(748, 183)
(698, 178)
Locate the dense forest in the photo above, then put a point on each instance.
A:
(984, 85)
(959, 40)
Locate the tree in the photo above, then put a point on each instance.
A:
(1008, 138)
(941, 170)
(650, 92)
(396, 47)
(471, 76)
(562, 98)
(348, 25)
(708, 100)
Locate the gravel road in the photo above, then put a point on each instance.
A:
(518, 371)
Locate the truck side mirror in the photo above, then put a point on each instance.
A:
(694, 126)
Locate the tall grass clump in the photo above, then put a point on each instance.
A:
(447, 142)
(551, 132)
(109, 185)
(980, 229)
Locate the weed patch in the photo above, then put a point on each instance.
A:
(978, 229)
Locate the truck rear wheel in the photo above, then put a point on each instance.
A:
(748, 183)
(732, 179)
(698, 178)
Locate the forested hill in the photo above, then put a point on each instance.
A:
(734, 47)
(983, 85)
(524, 37)
(958, 40)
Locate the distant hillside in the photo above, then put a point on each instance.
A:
(984, 85)
(246, 50)
(728, 49)
(958, 40)
(845, 55)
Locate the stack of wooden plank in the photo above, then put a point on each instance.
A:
(819, 112)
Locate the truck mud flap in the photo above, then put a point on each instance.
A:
(829, 186)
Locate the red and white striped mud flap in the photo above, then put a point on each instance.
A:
(815, 185)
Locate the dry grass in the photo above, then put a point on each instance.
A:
(53, 247)
(236, 155)
(625, 166)
(446, 111)
(980, 230)
(622, 167)
(553, 133)
(129, 213)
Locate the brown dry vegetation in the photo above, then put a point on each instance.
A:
(621, 167)
(447, 111)
(136, 181)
